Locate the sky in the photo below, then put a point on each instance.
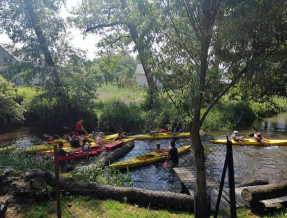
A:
(78, 40)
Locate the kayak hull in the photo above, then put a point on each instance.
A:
(162, 135)
(145, 159)
(279, 142)
(47, 146)
(79, 154)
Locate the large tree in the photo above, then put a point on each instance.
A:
(42, 46)
(39, 31)
(119, 24)
(200, 37)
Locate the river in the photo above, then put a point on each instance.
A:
(250, 162)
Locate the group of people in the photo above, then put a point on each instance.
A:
(257, 136)
(172, 153)
(77, 139)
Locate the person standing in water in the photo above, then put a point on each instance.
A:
(173, 153)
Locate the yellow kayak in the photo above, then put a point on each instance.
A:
(108, 146)
(110, 137)
(145, 159)
(47, 146)
(7, 149)
(271, 142)
(162, 135)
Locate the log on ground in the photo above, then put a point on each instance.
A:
(264, 192)
(138, 196)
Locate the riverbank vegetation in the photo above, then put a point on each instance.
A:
(124, 108)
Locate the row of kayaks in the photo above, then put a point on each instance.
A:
(271, 142)
(106, 139)
(148, 158)
(77, 153)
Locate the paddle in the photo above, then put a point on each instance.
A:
(252, 134)
(254, 128)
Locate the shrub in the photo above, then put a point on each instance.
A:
(115, 116)
(11, 111)
(228, 115)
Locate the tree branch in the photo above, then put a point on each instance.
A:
(237, 77)
(102, 26)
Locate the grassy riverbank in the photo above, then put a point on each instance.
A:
(89, 207)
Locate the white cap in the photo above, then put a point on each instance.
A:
(235, 132)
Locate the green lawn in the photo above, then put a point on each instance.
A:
(111, 92)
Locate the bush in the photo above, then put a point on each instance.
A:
(115, 116)
(228, 115)
(47, 111)
(11, 111)
(270, 107)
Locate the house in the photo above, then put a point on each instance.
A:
(6, 59)
(141, 77)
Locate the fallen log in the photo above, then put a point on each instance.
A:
(255, 183)
(132, 195)
(264, 192)
(108, 157)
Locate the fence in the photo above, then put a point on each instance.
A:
(152, 181)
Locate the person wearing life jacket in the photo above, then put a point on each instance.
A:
(258, 137)
(237, 138)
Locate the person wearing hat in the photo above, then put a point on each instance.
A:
(237, 138)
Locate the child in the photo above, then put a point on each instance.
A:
(86, 146)
(158, 150)
(61, 151)
(100, 139)
(237, 138)
(67, 137)
(75, 142)
(119, 136)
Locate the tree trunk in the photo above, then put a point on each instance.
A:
(201, 205)
(42, 42)
(108, 157)
(144, 53)
(132, 195)
(264, 192)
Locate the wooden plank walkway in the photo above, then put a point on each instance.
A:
(187, 176)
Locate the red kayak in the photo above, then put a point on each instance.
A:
(79, 154)
(113, 145)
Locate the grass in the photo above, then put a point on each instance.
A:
(88, 207)
(111, 92)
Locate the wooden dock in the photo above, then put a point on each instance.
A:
(187, 176)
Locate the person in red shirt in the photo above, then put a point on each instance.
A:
(79, 127)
